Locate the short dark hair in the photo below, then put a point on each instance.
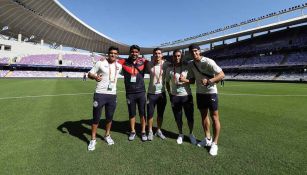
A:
(157, 48)
(113, 48)
(194, 46)
(134, 47)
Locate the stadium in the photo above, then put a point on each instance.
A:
(45, 107)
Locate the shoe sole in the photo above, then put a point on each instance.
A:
(131, 139)
(213, 154)
(179, 143)
(150, 138)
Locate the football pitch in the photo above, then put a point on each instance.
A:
(45, 129)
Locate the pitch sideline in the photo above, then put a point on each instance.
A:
(76, 94)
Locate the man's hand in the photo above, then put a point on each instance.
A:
(183, 79)
(98, 78)
(206, 82)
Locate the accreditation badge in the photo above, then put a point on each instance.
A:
(133, 79)
(110, 86)
(180, 89)
(158, 86)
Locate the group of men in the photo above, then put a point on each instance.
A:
(175, 78)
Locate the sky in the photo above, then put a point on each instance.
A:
(153, 22)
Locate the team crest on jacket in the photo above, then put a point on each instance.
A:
(140, 61)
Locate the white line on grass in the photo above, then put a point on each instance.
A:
(76, 94)
(266, 95)
(246, 84)
(39, 96)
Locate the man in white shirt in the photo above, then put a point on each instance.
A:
(105, 73)
(156, 92)
(178, 87)
(206, 73)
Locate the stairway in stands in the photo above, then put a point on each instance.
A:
(277, 75)
(284, 60)
(8, 74)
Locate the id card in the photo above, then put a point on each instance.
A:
(133, 79)
(158, 86)
(110, 86)
(180, 89)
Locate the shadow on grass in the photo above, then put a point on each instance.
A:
(77, 129)
(82, 129)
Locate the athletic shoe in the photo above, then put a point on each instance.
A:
(192, 139)
(109, 140)
(213, 149)
(205, 142)
(144, 137)
(150, 136)
(180, 139)
(91, 146)
(160, 134)
(131, 136)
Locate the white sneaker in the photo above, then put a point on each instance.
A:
(109, 140)
(213, 149)
(180, 139)
(144, 137)
(160, 134)
(91, 146)
(192, 139)
(150, 136)
(131, 136)
(205, 142)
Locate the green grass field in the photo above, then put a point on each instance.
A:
(45, 128)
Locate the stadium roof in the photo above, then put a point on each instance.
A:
(264, 28)
(52, 22)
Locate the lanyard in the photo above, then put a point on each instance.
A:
(175, 80)
(202, 73)
(133, 73)
(110, 72)
(134, 65)
(160, 73)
